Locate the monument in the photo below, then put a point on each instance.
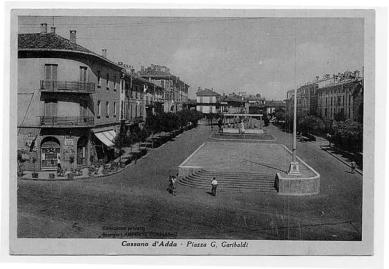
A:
(242, 123)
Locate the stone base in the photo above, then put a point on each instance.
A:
(297, 185)
(246, 131)
(294, 169)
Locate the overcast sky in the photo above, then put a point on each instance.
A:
(256, 55)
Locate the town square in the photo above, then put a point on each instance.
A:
(190, 128)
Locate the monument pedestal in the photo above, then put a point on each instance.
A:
(294, 169)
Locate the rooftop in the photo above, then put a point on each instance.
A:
(48, 41)
(207, 92)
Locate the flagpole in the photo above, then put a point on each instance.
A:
(294, 168)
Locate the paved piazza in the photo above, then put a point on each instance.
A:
(245, 157)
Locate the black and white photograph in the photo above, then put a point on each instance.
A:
(192, 132)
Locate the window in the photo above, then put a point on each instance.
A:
(51, 72)
(98, 109)
(107, 109)
(114, 109)
(122, 112)
(83, 73)
(98, 79)
(107, 81)
(114, 83)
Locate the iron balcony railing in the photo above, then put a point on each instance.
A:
(51, 121)
(67, 86)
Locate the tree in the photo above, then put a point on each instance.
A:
(279, 115)
(348, 135)
(311, 124)
(339, 116)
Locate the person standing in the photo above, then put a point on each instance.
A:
(214, 186)
(174, 180)
(170, 186)
(242, 127)
(353, 166)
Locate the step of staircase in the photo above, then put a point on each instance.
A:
(231, 181)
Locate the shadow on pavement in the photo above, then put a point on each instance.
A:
(266, 165)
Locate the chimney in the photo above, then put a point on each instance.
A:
(104, 53)
(52, 30)
(73, 36)
(43, 28)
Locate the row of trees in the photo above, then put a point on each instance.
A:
(167, 122)
(162, 122)
(346, 134)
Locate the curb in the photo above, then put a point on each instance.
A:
(343, 161)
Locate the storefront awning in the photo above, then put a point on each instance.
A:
(107, 137)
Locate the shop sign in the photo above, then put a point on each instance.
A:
(69, 142)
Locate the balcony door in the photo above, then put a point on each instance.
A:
(51, 75)
(83, 77)
(83, 74)
(50, 113)
(83, 110)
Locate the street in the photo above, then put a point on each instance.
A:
(137, 197)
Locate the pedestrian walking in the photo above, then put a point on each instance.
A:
(353, 166)
(213, 186)
(170, 185)
(174, 180)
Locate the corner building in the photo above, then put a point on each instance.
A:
(68, 101)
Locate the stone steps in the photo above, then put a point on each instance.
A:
(231, 181)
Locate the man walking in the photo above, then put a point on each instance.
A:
(214, 186)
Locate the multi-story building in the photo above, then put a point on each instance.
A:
(273, 106)
(207, 101)
(255, 104)
(306, 100)
(339, 97)
(68, 101)
(175, 91)
(233, 104)
(139, 97)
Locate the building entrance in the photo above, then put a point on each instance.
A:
(50, 153)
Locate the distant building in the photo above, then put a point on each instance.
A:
(255, 104)
(233, 104)
(207, 101)
(339, 97)
(272, 106)
(175, 90)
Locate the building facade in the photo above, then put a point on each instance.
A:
(341, 98)
(175, 91)
(338, 97)
(207, 101)
(233, 104)
(68, 101)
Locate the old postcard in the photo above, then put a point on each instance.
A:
(192, 132)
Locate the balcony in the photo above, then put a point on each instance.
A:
(71, 122)
(67, 86)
